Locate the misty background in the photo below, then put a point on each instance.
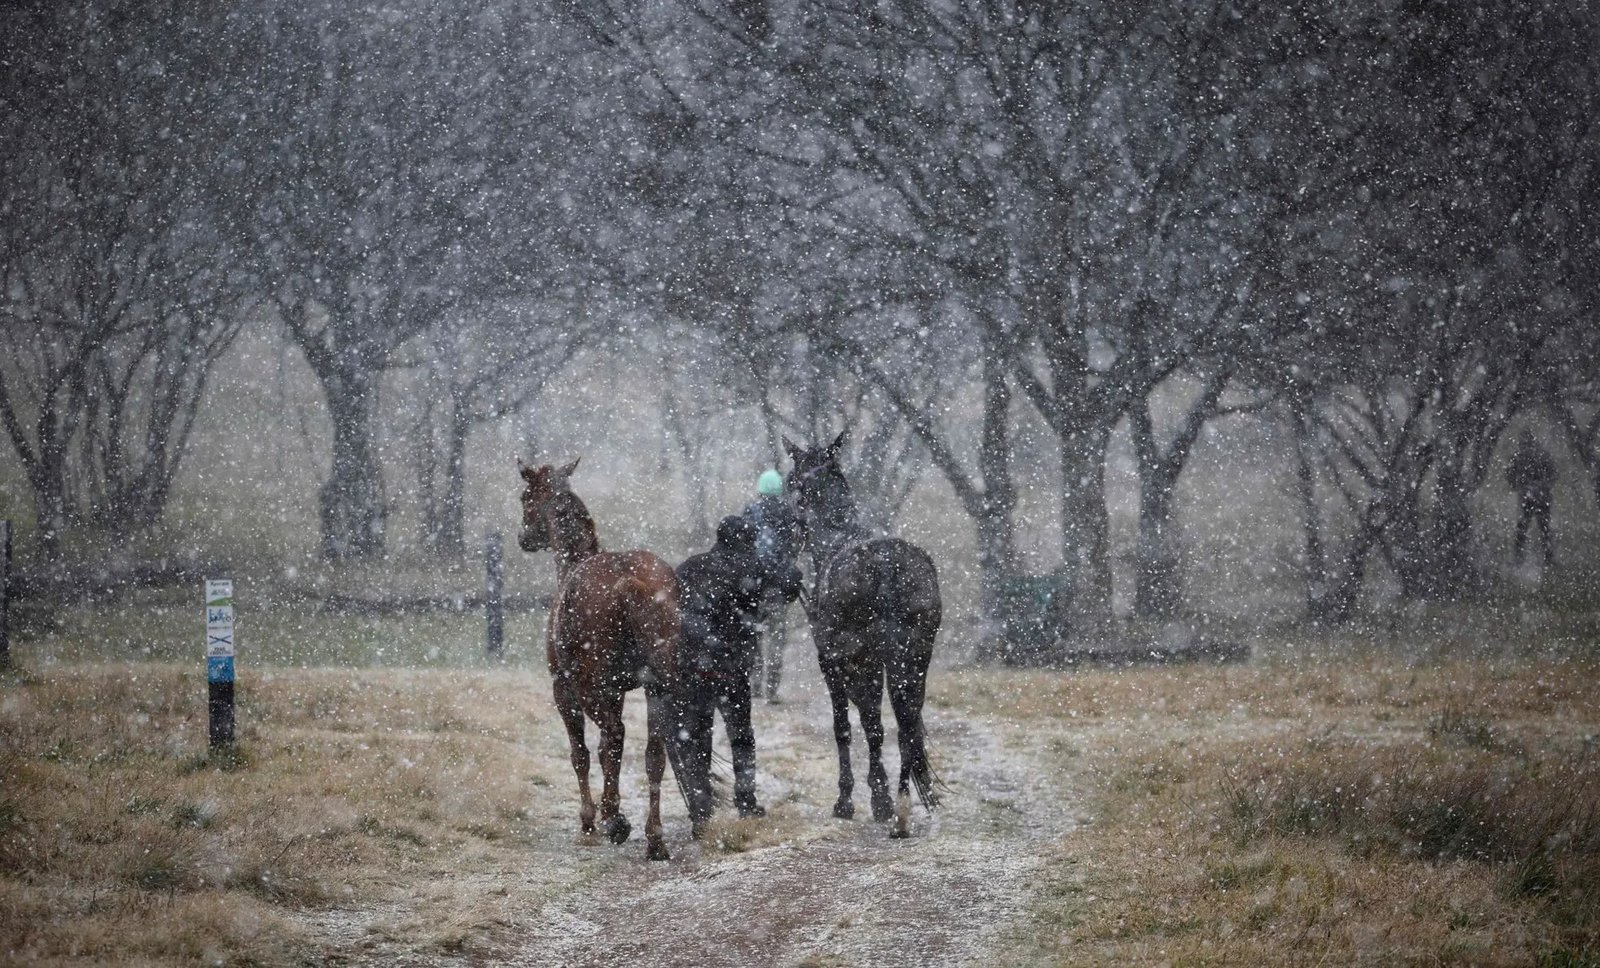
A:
(1165, 312)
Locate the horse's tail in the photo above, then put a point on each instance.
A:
(907, 632)
(651, 592)
(654, 624)
(905, 696)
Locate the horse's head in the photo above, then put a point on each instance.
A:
(816, 481)
(544, 485)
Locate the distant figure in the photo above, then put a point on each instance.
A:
(1532, 474)
(719, 592)
(777, 542)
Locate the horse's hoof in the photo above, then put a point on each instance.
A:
(882, 809)
(697, 829)
(656, 850)
(899, 833)
(618, 829)
(844, 810)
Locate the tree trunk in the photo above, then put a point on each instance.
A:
(1337, 601)
(351, 500)
(50, 509)
(1451, 571)
(450, 533)
(429, 503)
(1085, 531)
(47, 474)
(1157, 583)
(691, 450)
(995, 527)
(1316, 570)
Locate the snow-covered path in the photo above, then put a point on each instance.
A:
(796, 888)
(824, 891)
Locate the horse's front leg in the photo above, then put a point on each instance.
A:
(572, 718)
(844, 808)
(658, 721)
(611, 736)
(868, 689)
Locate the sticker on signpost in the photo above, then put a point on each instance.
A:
(219, 643)
(219, 621)
(219, 668)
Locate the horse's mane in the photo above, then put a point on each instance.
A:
(576, 524)
(836, 506)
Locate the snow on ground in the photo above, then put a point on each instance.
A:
(831, 892)
(796, 888)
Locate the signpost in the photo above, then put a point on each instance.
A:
(219, 659)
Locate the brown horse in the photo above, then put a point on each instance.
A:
(613, 627)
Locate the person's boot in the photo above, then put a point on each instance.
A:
(745, 802)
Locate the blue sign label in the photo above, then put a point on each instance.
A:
(219, 668)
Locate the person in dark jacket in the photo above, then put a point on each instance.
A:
(777, 535)
(1532, 475)
(719, 592)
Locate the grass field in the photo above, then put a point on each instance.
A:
(1352, 807)
(1380, 799)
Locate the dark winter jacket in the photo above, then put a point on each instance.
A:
(1531, 473)
(719, 593)
(777, 536)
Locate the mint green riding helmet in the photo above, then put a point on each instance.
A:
(769, 484)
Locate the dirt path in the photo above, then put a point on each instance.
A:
(797, 888)
(830, 892)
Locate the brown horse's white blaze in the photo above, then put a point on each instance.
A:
(613, 627)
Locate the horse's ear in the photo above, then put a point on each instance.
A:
(832, 451)
(561, 476)
(794, 452)
(527, 472)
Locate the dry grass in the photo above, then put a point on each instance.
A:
(121, 840)
(1340, 807)
(727, 833)
(1349, 810)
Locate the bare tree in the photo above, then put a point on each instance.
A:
(116, 298)
(388, 171)
(1474, 304)
(479, 365)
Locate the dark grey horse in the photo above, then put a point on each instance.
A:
(875, 610)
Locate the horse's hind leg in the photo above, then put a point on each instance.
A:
(611, 736)
(844, 808)
(907, 677)
(572, 718)
(869, 706)
(655, 760)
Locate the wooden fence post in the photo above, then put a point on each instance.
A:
(493, 601)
